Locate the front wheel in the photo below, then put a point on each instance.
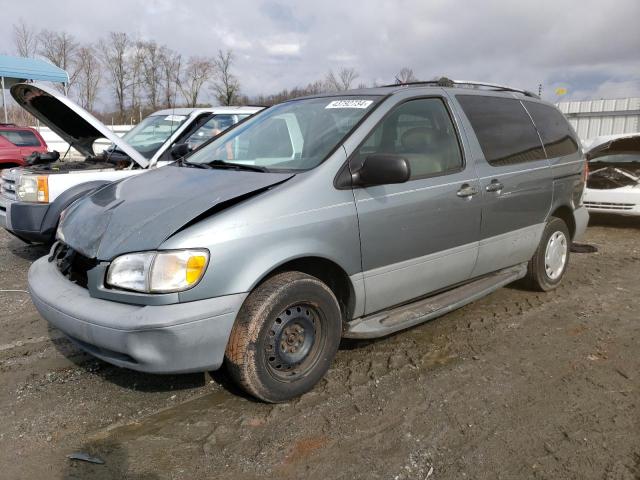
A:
(286, 335)
(549, 263)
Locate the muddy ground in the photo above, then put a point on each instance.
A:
(517, 385)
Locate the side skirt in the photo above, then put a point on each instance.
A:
(399, 318)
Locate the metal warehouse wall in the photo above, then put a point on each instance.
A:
(593, 118)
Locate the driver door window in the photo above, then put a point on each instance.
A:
(420, 131)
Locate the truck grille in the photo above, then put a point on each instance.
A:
(610, 205)
(8, 184)
(72, 264)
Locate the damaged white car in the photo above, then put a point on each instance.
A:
(613, 185)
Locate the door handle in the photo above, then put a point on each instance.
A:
(494, 186)
(466, 191)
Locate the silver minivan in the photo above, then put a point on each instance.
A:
(355, 214)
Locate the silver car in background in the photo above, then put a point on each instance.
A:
(355, 214)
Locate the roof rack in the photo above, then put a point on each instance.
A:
(446, 82)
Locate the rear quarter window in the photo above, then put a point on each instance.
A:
(557, 136)
(20, 138)
(505, 132)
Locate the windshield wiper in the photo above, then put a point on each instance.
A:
(236, 166)
(222, 164)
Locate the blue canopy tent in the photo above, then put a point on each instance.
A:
(19, 69)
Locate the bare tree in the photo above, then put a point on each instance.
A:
(198, 71)
(151, 71)
(25, 39)
(313, 88)
(405, 75)
(171, 63)
(341, 81)
(60, 49)
(135, 60)
(226, 86)
(89, 73)
(114, 56)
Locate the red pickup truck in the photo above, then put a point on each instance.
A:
(17, 143)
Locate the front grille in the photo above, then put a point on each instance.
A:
(72, 264)
(8, 185)
(610, 205)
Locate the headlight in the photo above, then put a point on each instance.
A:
(158, 272)
(32, 188)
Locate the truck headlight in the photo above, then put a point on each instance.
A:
(158, 272)
(33, 188)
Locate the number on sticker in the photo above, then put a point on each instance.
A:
(350, 104)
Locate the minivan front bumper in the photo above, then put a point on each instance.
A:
(178, 338)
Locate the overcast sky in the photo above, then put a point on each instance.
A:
(591, 47)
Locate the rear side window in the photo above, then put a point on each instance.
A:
(556, 134)
(503, 128)
(422, 132)
(21, 138)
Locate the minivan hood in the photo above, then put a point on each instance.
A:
(614, 145)
(70, 121)
(140, 212)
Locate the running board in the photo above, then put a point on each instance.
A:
(405, 316)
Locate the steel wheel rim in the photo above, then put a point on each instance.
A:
(555, 256)
(294, 342)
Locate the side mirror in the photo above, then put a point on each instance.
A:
(382, 170)
(179, 150)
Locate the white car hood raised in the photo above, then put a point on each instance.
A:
(70, 121)
(628, 143)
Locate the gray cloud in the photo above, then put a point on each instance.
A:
(585, 45)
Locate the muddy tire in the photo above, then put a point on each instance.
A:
(549, 263)
(285, 337)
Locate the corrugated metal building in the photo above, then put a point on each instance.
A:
(593, 118)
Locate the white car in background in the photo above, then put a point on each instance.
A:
(613, 184)
(32, 198)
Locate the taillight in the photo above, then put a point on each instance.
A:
(585, 172)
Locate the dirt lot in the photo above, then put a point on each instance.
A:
(517, 385)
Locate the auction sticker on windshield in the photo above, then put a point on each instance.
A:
(174, 118)
(350, 104)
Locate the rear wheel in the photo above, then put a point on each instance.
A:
(549, 263)
(285, 337)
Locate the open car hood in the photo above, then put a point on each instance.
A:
(628, 143)
(140, 212)
(70, 121)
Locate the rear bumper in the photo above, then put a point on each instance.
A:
(178, 338)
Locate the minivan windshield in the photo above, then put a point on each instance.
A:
(150, 134)
(292, 136)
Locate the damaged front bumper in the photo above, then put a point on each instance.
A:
(178, 338)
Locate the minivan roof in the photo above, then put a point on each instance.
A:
(455, 86)
(217, 110)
